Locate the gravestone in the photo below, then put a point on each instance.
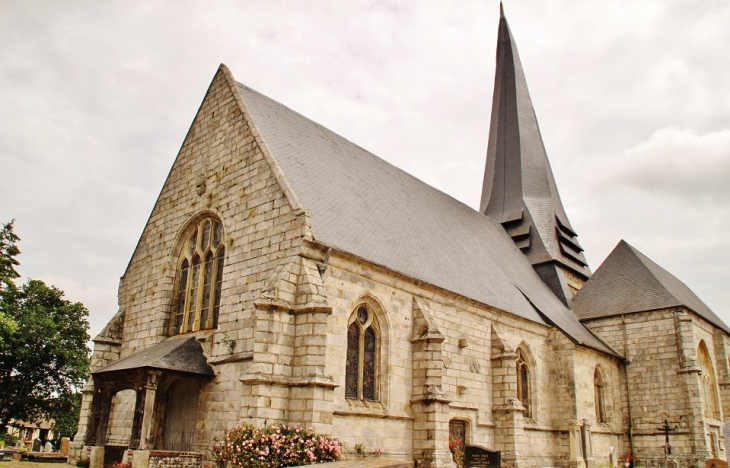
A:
(65, 443)
(715, 463)
(48, 448)
(36, 445)
(476, 456)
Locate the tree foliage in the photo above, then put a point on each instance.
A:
(66, 423)
(8, 251)
(44, 359)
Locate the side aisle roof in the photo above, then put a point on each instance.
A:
(628, 281)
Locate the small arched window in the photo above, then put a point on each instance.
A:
(523, 381)
(363, 353)
(199, 279)
(709, 386)
(598, 396)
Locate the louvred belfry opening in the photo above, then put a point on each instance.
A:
(519, 189)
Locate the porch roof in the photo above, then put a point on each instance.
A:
(181, 354)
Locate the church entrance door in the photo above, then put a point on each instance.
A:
(182, 408)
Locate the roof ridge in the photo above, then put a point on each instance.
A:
(630, 282)
(666, 278)
(642, 261)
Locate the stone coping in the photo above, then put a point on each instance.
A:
(370, 462)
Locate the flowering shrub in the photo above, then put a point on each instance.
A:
(455, 448)
(274, 446)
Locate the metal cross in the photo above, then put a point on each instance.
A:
(667, 429)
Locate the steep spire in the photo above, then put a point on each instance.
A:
(519, 189)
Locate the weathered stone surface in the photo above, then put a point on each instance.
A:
(280, 349)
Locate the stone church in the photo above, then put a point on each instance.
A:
(286, 274)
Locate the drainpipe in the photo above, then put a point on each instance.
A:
(628, 387)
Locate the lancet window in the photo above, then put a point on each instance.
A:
(523, 381)
(363, 353)
(598, 396)
(709, 386)
(200, 276)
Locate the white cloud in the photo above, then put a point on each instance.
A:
(680, 163)
(97, 97)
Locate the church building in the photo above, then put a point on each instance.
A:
(288, 275)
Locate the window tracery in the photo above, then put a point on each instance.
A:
(363, 349)
(200, 277)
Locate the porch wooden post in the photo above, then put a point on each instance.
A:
(147, 401)
(102, 420)
(138, 416)
(95, 415)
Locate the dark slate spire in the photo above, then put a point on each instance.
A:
(519, 189)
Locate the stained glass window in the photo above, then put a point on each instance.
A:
(523, 382)
(368, 366)
(353, 361)
(218, 284)
(217, 235)
(362, 315)
(181, 294)
(194, 288)
(361, 374)
(198, 289)
(206, 235)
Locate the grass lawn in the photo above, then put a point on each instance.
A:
(28, 464)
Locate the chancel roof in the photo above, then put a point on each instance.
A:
(628, 281)
(180, 354)
(519, 188)
(366, 207)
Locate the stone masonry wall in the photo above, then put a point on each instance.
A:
(121, 416)
(223, 170)
(260, 230)
(159, 459)
(467, 364)
(661, 348)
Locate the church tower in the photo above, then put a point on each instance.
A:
(519, 189)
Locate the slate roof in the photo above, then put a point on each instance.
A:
(362, 205)
(181, 354)
(519, 188)
(628, 282)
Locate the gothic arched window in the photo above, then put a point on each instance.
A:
(363, 352)
(598, 396)
(200, 275)
(709, 386)
(523, 381)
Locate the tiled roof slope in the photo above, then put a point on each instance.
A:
(366, 207)
(519, 188)
(181, 354)
(628, 281)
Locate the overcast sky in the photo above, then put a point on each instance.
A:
(632, 97)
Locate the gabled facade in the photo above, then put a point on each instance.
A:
(286, 274)
(676, 352)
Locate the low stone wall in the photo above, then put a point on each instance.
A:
(144, 458)
(163, 459)
(159, 459)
